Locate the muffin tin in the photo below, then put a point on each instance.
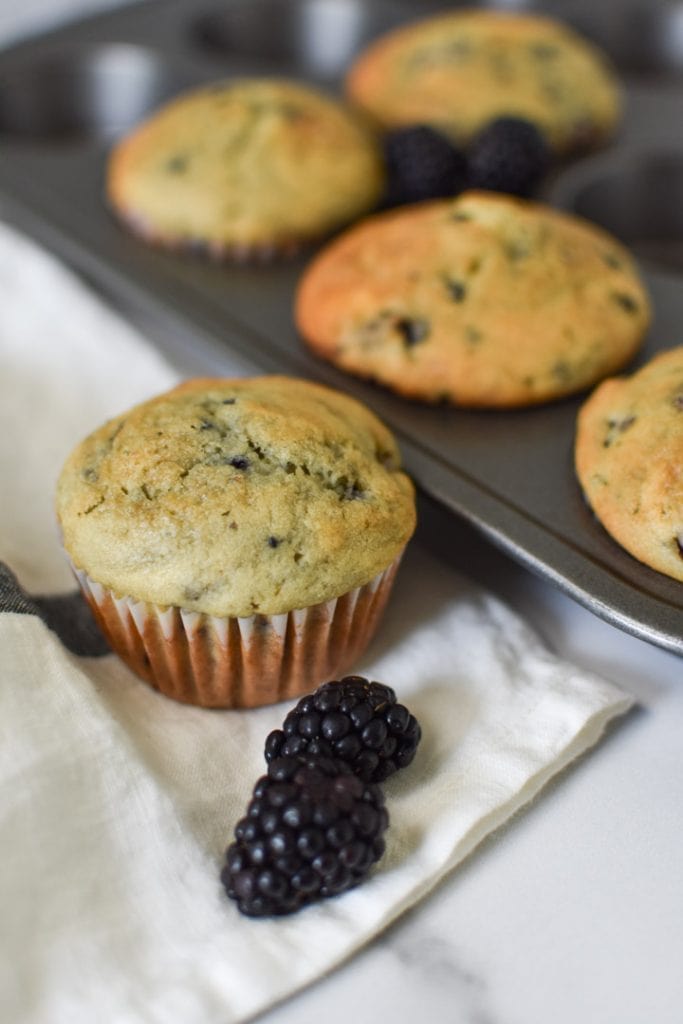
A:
(64, 96)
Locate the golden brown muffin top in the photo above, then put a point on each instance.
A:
(629, 460)
(249, 161)
(236, 497)
(457, 71)
(484, 300)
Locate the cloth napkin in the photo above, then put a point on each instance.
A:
(116, 804)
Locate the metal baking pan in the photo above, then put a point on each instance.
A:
(64, 96)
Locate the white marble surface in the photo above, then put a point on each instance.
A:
(574, 911)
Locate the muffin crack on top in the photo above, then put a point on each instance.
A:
(231, 444)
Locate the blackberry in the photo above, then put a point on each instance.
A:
(508, 155)
(422, 164)
(354, 720)
(312, 830)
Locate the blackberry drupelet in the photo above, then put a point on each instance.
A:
(312, 830)
(422, 164)
(508, 155)
(354, 720)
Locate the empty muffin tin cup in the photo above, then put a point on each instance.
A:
(93, 92)
(639, 200)
(643, 38)
(310, 38)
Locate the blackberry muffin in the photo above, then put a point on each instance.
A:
(237, 539)
(245, 169)
(459, 71)
(484, 301)
(629, 460)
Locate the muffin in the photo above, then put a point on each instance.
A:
(459, 71)
(629, 461)
(237, 539)
(484, 301)
(245, 168)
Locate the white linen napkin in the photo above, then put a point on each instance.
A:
(116, 804)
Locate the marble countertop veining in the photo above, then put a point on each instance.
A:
(573, 912)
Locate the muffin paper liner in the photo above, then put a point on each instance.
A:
(221, 662)
(228, 252)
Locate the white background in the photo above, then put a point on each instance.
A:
(574, 911)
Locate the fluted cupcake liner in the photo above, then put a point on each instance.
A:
(228, 252)
(235, 662)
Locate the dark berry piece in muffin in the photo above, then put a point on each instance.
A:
(354, 720)
(422, 164)
(313, 830)
(508, 155)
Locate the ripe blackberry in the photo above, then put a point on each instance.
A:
(508, 155)
(312, 830)
(421, 164)
(354, 720)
